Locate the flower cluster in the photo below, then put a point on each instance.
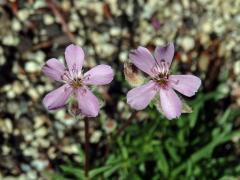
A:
(75, 82)
(157, 67)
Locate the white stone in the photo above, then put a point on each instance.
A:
(39, 4)
(33, 93)
(32, 67)
(30, 151)
(41, 132)
(11, 94)
(23, 14)
(16, 25)
(48, 19)
(70, 149)
(187, 43)
(184, 57)
(66, 5)
(236, 67)
(43, 142)
(32, 175)
(18, 87)
(40, 89)
(6, 150)
(177, 7)
(72, 26)
(10, 40)
(123, 56)
(115, 31)
(186, 3)
(60, 114)
(28, 137)
(105, 49)
(96, 136)
(206, 27)
(8, 126)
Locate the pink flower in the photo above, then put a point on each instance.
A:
(157, 67)
(75, 83)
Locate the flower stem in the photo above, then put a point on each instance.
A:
(86, 129)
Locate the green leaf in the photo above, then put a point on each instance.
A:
(228, 178)
(206, 151)
(78, 173)
(172, 151)
(113, 169)
(98, 171)
(162, 162)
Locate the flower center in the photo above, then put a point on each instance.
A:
(161, 81)
(76, 83)
(73, 77)
(161, 73)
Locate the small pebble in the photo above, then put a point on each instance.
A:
(41, 132)
(23, 14)
(39, 164)
(95, 136)
(32, 67)
(16, 25)
(187, 43)
(236, 67)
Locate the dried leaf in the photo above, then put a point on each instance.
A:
(132, 75)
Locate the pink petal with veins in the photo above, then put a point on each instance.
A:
(138, 98)
(57, 98)
(54, 69)
(165, 53)
(74, 56)
(187, 85)
(170, 103)
(99, 75)
(87, 102)
(143, 59)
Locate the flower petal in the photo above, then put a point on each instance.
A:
(54, 69)
(74, 56)
(143, 59)
(165, 53)
(170, 103)
(87, 102)
(185, 84)
(57, 98)
(99, 75)
(138, 98)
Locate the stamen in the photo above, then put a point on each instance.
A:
(164, 67)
